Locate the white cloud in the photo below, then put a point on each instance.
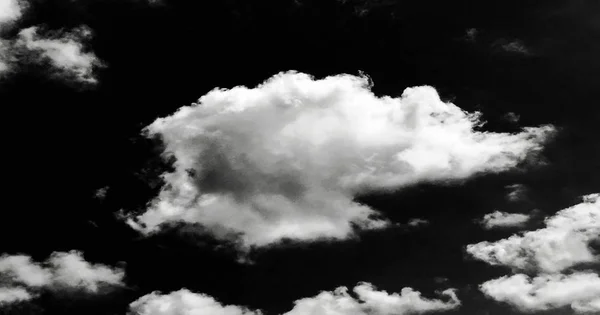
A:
(563, 243)
(61, 271)
(71, 270)
(10, 11)
(13, 295)
(64, 50)
(184, 302)
(338, 302)
(581, 291)
(287, 158)
(24, 271)
(371, 301)
(498, 219)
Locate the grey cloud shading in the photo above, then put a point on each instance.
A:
(285, 160)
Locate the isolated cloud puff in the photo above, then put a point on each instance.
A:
(581, 291)
(498, 219)
(338, 302)
(287, 158)
(373, 302)
(61, 271)
(563, 243)
(64, 51)
(516, 192)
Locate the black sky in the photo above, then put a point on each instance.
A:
(63, 142)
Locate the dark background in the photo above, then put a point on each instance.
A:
(63, 141)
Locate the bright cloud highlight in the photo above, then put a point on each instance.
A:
(286, 159)
(338, 302)
(563, 243)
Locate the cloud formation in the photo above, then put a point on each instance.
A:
(563, 243)
(184, 302)
(498, 219)
(10, 11)
(13, 295)
(287, 158)
(64, 51)
(581, 291)
(516, 192)
(549, 252)
(22, 277)
(338, 302)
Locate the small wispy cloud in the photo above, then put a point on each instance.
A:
(498, 219)
(516, 192)
(471, 34)
(23, 278)
(416, 222)
(64, 51)
(514, 46)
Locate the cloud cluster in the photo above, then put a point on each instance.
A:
(64, 51)
(338, 302)
(579, 290)
(498, 219)
(22, 277)
(563, 243)
(286, 159)
(549, 252)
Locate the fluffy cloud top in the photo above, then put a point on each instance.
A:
(563, 243)
(581, 291)
(550, 251)
(499, 219)
(184, 302)
(64, 51)
(286, 159)
(61, 271)
(10, 10)
(371, 301)
(338, 302)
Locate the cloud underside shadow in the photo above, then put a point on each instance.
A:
(285, 160)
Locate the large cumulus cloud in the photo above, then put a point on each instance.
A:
(286, 159)
(338, 302)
